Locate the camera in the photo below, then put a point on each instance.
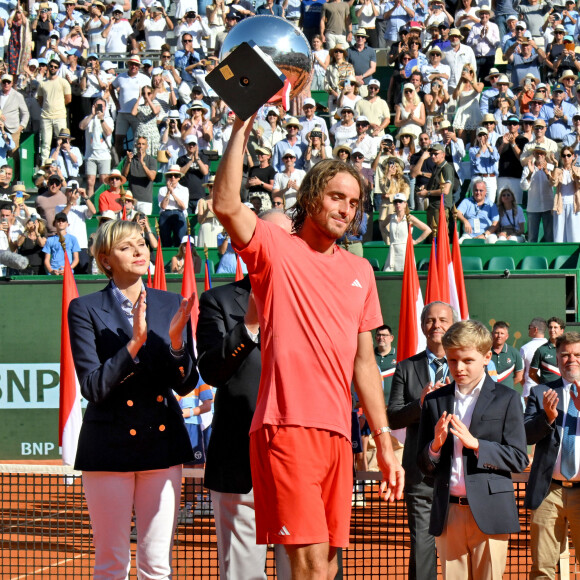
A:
(44, 11)
(99, 108)
(316, 134)
(191, 14)
(34, 218)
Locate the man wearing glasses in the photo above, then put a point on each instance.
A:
(117, 32)
(187, 60)
(385, 355)
(500, 85)
(14, 113)
(457, 57)
(54, 94)
(558, 114)
(540, 139)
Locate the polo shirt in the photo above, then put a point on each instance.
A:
(361, 60)
(54, 248)
(443, 173)
(480, 217)
(507, 363)
(387, 364)
(129, 89)
(545, 361)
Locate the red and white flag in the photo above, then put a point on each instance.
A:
(189, 287)
(447, 288)
(432, 291)
(411, 338)
(159, 282)
(459, 278)
(70, 416)
(239, 271)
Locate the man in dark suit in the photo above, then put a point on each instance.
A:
(229, 358)
(414, 378)
(474, 508)
(553, 491)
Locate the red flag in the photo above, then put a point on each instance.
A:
(459, 278)
(159, 282)
(432, 292)
(124, 214)
(443, 255)
(188, 285)
(69, 415)
(149, 283)
(411, 338)
(207, 281)
(239, 272)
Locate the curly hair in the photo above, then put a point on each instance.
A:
(312, 188)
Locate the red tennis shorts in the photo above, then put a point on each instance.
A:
(302, 480)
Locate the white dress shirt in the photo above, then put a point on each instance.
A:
(557, 474)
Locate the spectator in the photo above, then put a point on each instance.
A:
(317, 150)
(41, 26)
(6, 175)
(54, 251)
(457, 57)
(14, 115)
(209, 226)
(484, 39)
(177, 267)
(364, 141)
(392, 183)
(342, 153)
(109, 199)
(68, 157)
(338, 71)
(270, 9)
(94, 26)
(309, 120)
(539, 139)
(267, 133)
(261, 177)
(98, 127)
(30, 244)
(128, 212)
(78, 209)
(227, 264)
(292, 141)
(27, 85)
(288, 182)
(348, 96)
(47, 201)
(155, 24)
(54, 94)
(396, 14)
(199, 126)
(550, 419)
(20, 42)
(454, 153)
(335, 24)
(411, 112)
(196, 27)
(380, 165)
(172, 141)
(475, 214)
(128, 87)
(193, 171)
(374, 109)
(566, 211)
(421, 168)
(527, 61)
(509, 222)
(435, 70)
(484, 159)
(145, 110)
(558, 114)
(117, 34)
(397, 232)
(166, 98)
(362, 57)
(536, 331)
(187, 59)
(467, 115)
(536, 179)
(321, 58)
(173, 201)
(140, 170)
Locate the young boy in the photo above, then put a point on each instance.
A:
(54, 254)
(471, 438)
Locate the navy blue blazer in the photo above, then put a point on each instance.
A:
(230, 361)
(546, 438)
(133, 421)
(498, 423)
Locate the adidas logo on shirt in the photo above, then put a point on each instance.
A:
(284, 531)
(356, 283)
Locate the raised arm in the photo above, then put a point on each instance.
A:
(237, 219)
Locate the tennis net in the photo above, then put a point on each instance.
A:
(45, 530)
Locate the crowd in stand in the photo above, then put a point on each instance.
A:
(103, 87)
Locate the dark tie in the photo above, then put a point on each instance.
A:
(568, 463)
(439, 373)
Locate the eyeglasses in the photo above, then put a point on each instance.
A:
(277, 204)
(165, 56)
(288, 158)
(55, 66)
(539, 128)
(494, 76)
(567, 155)
(541, 90)
(187, 40)
(558, 32)
(383, 335)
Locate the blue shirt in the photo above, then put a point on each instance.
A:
(54, 248)
(183, 59)
(265, 10)
(558, 129)
(486, 162)
(433, 367)
(485, 213)
(311, 11)
(279, 150)
(397, 19)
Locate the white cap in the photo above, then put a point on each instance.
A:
(289, 152)
(33, 62)
(108, 64)
(521, 24)
(374, 82)
(72, 184)
(157, 71)
(362, 119)
(309, 101)
(186, 238)
(357, 150)
(118, 8)
(399, 197)
(191, 139)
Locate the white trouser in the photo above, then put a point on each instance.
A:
(240, 558)
(567, 224)
(110, 499)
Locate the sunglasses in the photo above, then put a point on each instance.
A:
(408, 91)
(6, 82)
(114, 179)
(187, 40)
(489, 123)
(397, 201)
(567, 155)
(358, 156)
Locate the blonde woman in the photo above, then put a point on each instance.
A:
(410, 114)
(209, 226)
(336, 73)
(509, 223)
(392, 183)
(397, 229)
(467, 114)
(198, 125)
(566, 211)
